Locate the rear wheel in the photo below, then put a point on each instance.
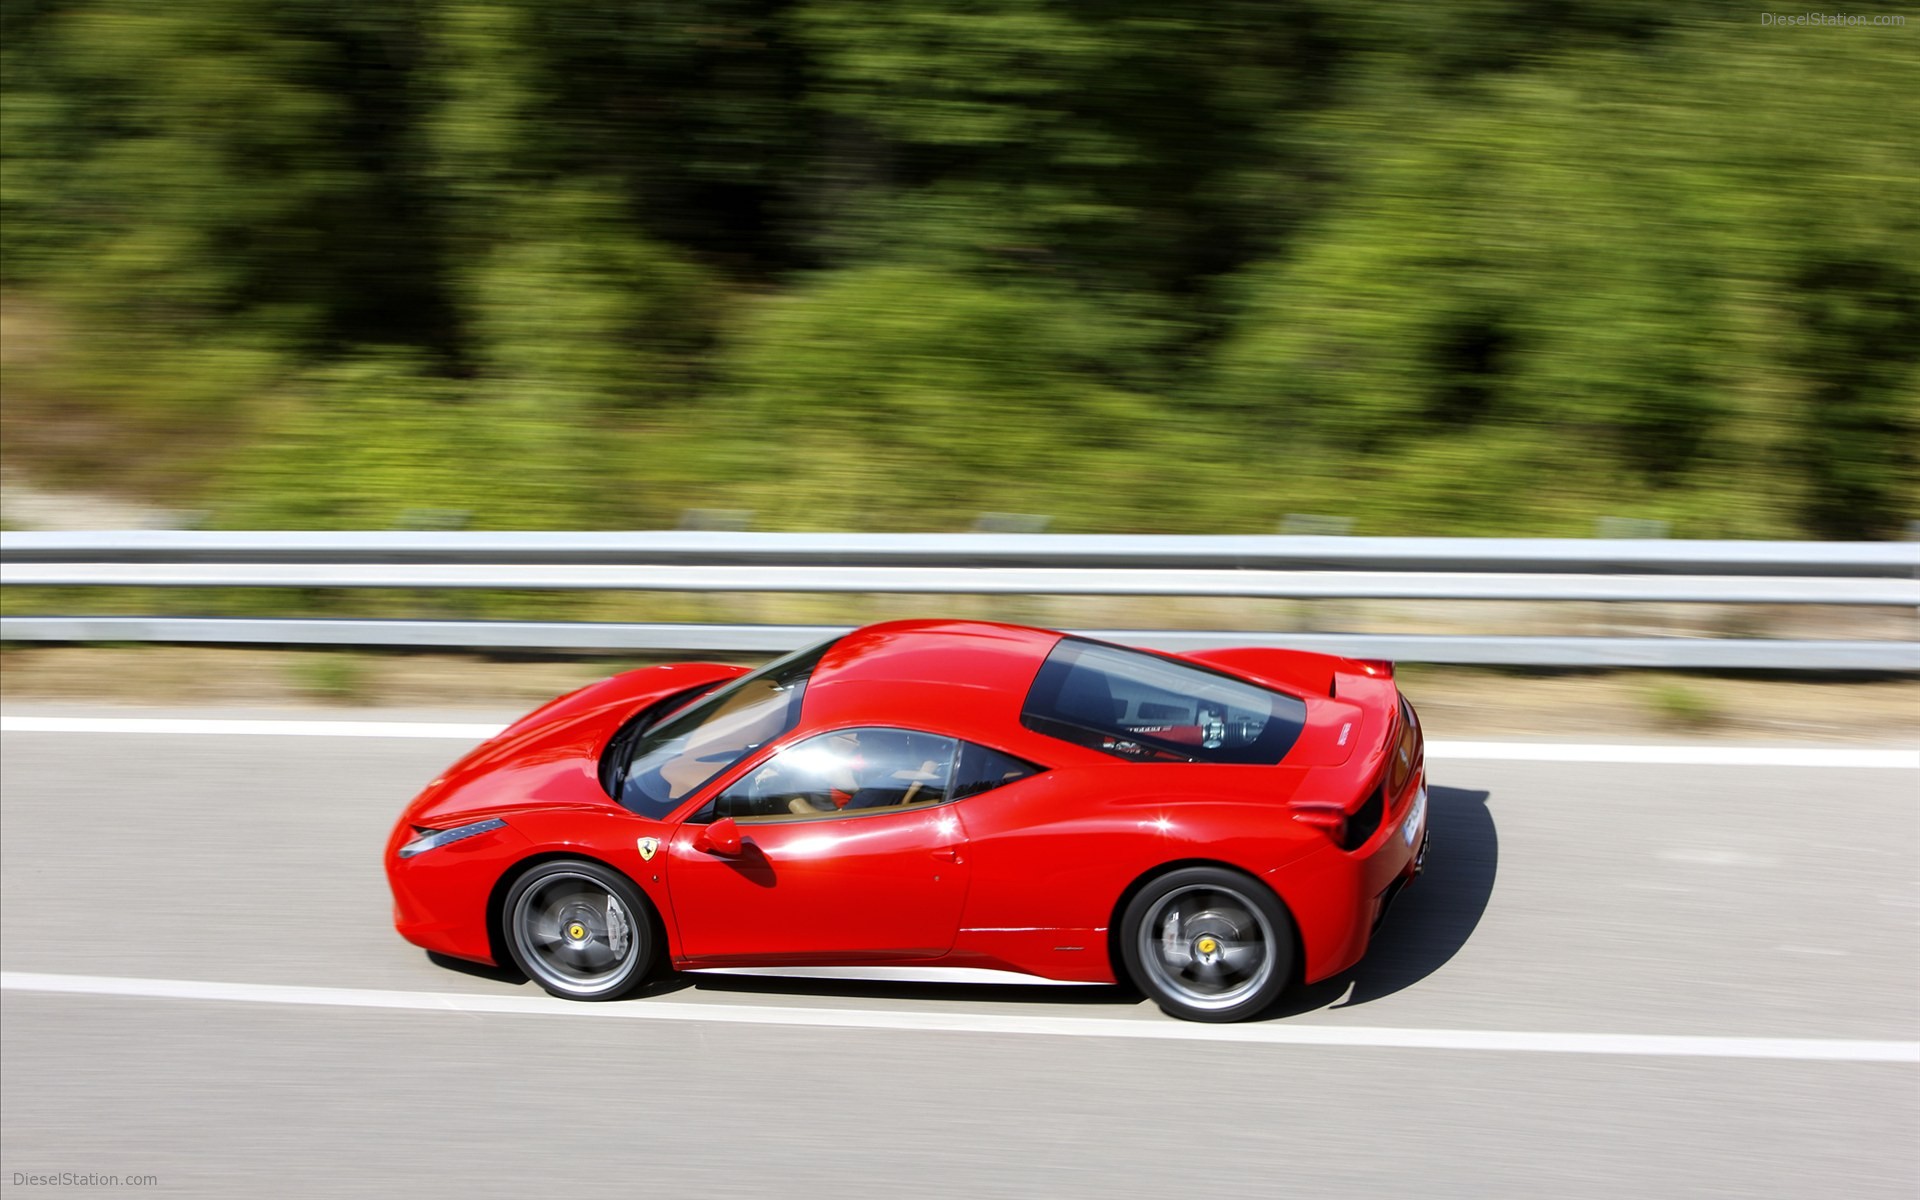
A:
(580, 930)
(1208, 944)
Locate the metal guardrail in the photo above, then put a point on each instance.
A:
(1025, 581)
(1895, 560)
(586, 636)
(1310, 567)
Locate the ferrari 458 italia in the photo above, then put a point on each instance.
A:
(1209, 826)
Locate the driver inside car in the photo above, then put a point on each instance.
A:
(839, 766)
(841, 774)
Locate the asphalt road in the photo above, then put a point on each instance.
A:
(1715, 902)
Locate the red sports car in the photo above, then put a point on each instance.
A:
(1210, 826)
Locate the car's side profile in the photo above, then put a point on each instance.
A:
(1210, 826)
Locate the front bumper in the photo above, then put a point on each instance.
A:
(440, 897)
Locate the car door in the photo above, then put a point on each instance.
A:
(848, 851)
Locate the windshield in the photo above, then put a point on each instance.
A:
(677, 757)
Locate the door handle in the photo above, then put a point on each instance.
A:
(948, 854)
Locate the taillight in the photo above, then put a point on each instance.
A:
(1406, 749)
(1365, 820)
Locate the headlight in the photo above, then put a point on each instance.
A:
(1411, 830)
(430, 839)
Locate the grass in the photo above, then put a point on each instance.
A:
(336, 677)
(1677, 704)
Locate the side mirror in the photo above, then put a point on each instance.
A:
(722, 837)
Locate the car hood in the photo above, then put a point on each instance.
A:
(550, 757)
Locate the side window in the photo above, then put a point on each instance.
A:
(844, 773)
(982, 770)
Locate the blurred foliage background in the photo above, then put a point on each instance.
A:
(1436, 266)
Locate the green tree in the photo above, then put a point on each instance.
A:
(1467, 266)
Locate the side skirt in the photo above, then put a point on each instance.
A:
(897, 975)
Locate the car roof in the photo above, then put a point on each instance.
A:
(971, 653)
(961, 675)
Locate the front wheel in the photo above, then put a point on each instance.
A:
(1207, 944)
(579, 930)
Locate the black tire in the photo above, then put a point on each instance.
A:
(1208, 944)
(580, 930)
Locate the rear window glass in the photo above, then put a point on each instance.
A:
(1144, 707)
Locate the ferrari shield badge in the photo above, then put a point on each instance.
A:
(647, 847)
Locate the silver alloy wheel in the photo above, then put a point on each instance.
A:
(575, 935)
(1208, 945)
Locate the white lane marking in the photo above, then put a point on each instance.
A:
(1711, 756)
(1693, 756)
(463, 731)
(1270, 1033)
(1708, 856)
